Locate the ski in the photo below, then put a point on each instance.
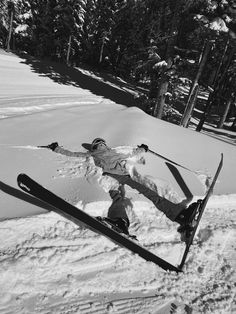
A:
(200, 207)
(111, 224)
(78, 216)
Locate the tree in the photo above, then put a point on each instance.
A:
(229, 86)
(223, 25)
(169, 57)
(4, 18)
(223, 85)
(97, 29)
(195, 86)
(152, 42)
(11, 9)
(69, 19)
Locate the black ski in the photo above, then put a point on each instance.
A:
(201, 205)
(78, 216)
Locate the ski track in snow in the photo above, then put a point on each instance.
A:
(51, 265)
(6, 112)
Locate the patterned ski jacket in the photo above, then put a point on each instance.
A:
(112, 160)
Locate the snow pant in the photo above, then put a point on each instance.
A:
(119, 208)
(171, 210)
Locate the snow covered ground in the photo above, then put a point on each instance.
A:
(51, 265)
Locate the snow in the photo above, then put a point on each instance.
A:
(218, 25)
(51, 265)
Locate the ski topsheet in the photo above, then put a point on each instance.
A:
(199, 211)
(78, 216)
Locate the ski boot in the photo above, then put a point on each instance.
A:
(186, 220)
(185, 232)
(120, 225)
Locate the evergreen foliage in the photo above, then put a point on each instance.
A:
(154, 43)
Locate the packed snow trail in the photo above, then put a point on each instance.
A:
(48, 262)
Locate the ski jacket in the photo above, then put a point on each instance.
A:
(112, 160)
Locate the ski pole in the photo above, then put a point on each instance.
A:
(171, 161)
(43, 146)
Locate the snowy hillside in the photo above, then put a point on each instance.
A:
(50, 265)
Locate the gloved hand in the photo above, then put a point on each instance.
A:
(144, 146)
(53, 146)
(115, 195)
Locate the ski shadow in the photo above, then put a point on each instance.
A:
(23, 196)
(179, 179)
(65, 75)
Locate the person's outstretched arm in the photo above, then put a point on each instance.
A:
(60, 150)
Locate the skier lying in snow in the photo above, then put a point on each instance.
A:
(119, 166)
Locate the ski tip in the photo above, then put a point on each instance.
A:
(20, 176)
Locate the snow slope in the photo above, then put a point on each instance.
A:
(49, 264)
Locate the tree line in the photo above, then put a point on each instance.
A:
(159, 45)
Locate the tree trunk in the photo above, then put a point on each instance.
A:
(217, 83)
(233, 126)
(10, 31)
(193, 100)
(102, 48)
(194, 88)
(223, 118)
(68, 51)
(158, 111)
(163, 88)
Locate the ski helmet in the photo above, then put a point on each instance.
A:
(96, 142)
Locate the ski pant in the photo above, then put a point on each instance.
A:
(119, 208)
(171, 210)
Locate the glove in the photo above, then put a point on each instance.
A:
(53, 146)
(145, 147)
